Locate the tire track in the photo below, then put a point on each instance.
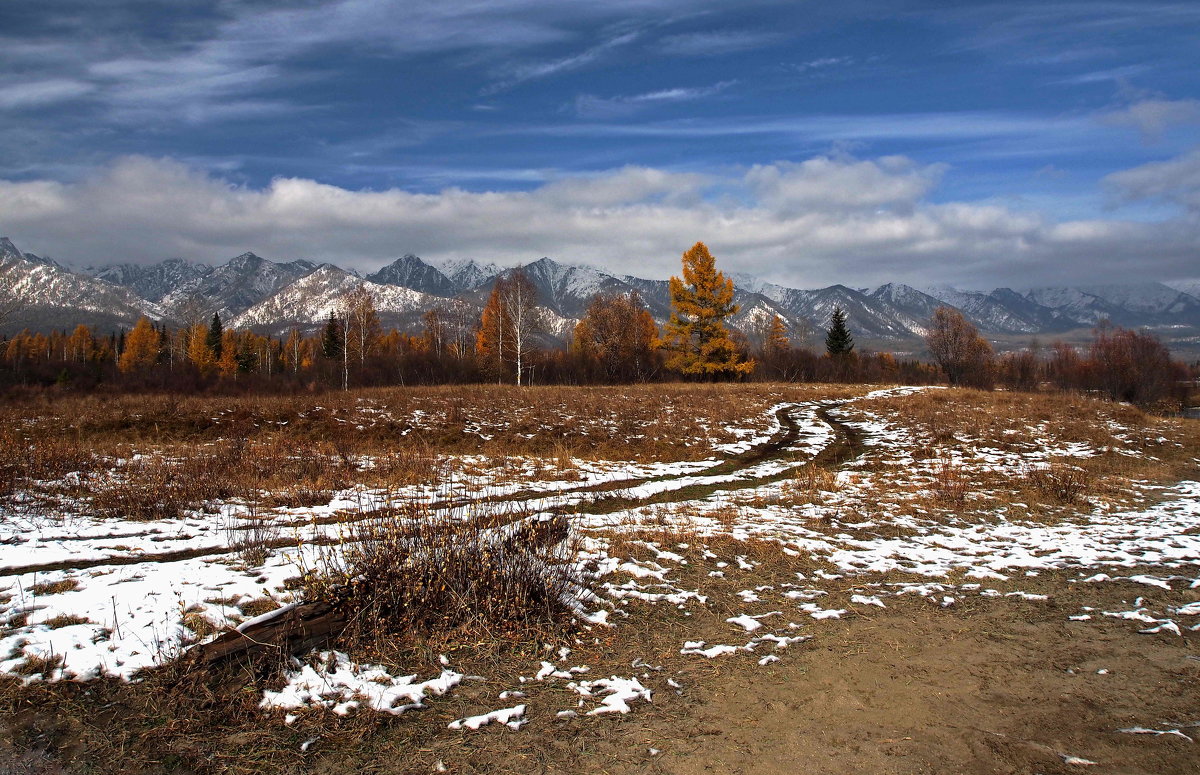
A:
(845, 445)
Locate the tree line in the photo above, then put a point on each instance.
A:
(616, 341)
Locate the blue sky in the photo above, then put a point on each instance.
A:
(984, 144)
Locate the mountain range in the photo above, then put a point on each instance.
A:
(249, 291)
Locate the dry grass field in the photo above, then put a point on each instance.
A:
(670, 578)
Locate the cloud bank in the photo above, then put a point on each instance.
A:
(828, 219)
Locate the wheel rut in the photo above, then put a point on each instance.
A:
(611, 496)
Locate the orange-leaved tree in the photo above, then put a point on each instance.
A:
(616, 335)
(141, 347)
(509, 324)
(696, 336)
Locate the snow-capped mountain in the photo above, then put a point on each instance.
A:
(1145, 298)
(235, 286)
(411, 272)
(1002, 310)
(1073, 304)
(1127, 305)
(1190, 287)
(55, 297)
(466, 274)
(568, 289)
(151, 282)
(252, 292)
(309, 300)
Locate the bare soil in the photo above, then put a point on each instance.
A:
(925, 691)
(992, 687)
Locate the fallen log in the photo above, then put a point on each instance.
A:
(288, 630)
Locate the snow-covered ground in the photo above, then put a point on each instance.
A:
(109, 597)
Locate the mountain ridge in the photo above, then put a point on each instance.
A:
(254, 292)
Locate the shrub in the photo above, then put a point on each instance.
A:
(1060, 481)
(1135, 367)
(950, 485)
(410, 570)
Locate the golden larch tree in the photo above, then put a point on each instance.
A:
(141, 348)
(198, 351)
(696, 336)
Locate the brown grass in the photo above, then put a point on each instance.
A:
(58, 622)
(212, 723)
(54, 587)
(1064, 483)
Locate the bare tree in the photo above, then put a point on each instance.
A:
(511, 320)
(617, 334)
(360, 328)
(965, 356)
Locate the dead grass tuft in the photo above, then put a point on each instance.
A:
(950, 484)
(258, 606)
(59, 622)
(54, 587)
(411, 571)
(36, 664)
(1065, 483)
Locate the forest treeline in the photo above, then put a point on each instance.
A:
(616, 341)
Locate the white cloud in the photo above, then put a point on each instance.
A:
(825, 183)
(1175, 180)
(716, 42)
(820, 221)
(205, 68)
(519, 74)
(1155, 115)
(591, 106)
(37, 93)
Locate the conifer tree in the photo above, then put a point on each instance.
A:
(696, 335)
(141, 347)
(215, 336)
(777, 342)
(227, 363)
(331, 338)
(838, 341)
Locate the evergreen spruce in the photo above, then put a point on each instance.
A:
(331, 339)
(216, 332)
(838, 341)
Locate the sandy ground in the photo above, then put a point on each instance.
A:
(1001, 688)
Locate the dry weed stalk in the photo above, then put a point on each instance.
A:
(950, 484)
(411, 571)
(1065, 483)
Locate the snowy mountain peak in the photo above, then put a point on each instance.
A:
(1189, 287)
(309, 300)
(466, 273)
(246, 260)
(50, 290)
(410, 271)
(9, 252)
(748, 282)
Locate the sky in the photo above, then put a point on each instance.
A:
(979, 144)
